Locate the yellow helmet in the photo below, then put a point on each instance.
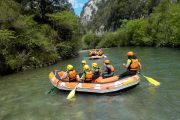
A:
(86, 67)
(83, 62)
(94, 65)
(106, 61)
(69, 67)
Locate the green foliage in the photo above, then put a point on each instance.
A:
(165, 24)
(90, 40)
(136, 32)
(39, 8)
(67, 49)
(26, 41)
(9, 12)
(49, 33)
(11, 58)
(66, 23)
(109, 40)
(160, 29)
(16, 61)
(6, 37)
(64, 18)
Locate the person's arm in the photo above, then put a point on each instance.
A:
(127, 64)
(97, 70)
(77, 77)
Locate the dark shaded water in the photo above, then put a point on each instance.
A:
(23, 95)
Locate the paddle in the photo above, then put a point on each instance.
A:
(151, 80)
(72, 93)
(52, 89)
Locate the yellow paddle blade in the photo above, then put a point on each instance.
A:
(152, 81)
(71, 94)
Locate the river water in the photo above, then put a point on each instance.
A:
(23, 96)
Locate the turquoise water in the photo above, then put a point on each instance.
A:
(23, 96)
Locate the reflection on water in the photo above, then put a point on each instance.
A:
(23, 96)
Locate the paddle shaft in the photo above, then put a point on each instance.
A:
(52, 89)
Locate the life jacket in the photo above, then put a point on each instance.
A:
(100, 53)
(134, 65)
(93, 53)
(96, 71)
(64, 75)
(72, 75)
(90, 53)
(88, 76)
(110, 69)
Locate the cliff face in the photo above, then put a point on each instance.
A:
(108, 15)
(89, 10)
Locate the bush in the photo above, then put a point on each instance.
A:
(109, 40)
(90, 40)
(66, 50)
(165, 25)
(36, 38)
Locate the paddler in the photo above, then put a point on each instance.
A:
(132, 65)
(108, 69)
(70, 74)
(87, 75)
(95, 70)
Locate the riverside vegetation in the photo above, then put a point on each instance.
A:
(35, 33)
(154, 24)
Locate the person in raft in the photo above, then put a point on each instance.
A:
(83, 62)
(87, 75)
(95, 70)
(108, 69)
(132, 65)
(70, 74)
(100, 52)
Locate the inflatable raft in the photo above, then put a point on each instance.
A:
(97, 57)
(99, 85)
